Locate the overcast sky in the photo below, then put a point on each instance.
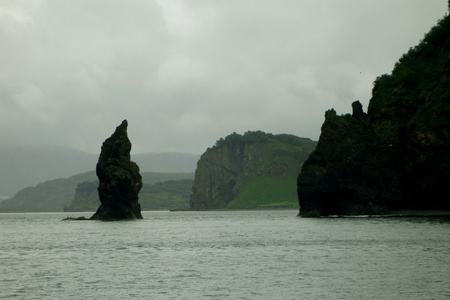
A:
(185, 73)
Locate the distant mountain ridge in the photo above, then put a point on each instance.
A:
(161, 191)
(26, 166)
(79, 193)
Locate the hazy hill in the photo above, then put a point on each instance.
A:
(160, 195)
(49, 195)
(27, 166)
(57, 194)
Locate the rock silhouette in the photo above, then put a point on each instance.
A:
(120, 180)
(395, 156)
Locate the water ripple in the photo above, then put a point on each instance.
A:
(217, 255)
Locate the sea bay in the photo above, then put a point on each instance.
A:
(256, 254)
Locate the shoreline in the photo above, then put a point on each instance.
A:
(394, 213)
(397, 214)
(235, 209)
(419, 213)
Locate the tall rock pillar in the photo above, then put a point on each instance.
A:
(120, 181)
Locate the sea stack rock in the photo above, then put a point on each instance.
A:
(120, 181)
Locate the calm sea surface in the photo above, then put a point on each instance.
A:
(224, 255)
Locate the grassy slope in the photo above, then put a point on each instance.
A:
(266, 191)
(172, 194)
(272, 191)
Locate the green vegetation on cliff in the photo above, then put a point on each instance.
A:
(253, 170)
(395, 157)
(265, 191)
(414, 70)
(274, 182)
(260, 137)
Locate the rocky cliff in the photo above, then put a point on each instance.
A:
(395, 156)
(120, 180)
(248, 171)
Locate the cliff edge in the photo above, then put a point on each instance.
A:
(395, 156)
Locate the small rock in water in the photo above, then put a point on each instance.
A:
(75, 219)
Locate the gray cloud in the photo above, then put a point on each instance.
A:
(185, 73)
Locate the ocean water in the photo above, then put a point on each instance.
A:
(224, 255)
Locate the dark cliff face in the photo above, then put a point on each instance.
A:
(238, 161)
(395, 157)
(120, 180)
(219, 176)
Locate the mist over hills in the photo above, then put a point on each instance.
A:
(166, 162)
(25, 166)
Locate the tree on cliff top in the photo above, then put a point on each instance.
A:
(416, 67)
(258, 137)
